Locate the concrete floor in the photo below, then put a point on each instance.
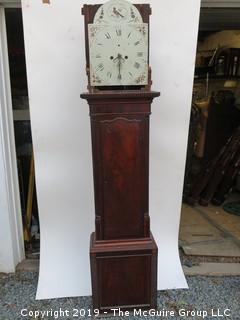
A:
(209, 231)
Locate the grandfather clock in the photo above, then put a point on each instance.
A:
(123, 252)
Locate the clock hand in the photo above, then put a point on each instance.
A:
(119, 70)
(120, 59)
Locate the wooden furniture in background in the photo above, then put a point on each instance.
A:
(223, 118)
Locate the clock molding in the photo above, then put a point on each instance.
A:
(123, 252)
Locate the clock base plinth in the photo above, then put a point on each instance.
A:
(124, 274)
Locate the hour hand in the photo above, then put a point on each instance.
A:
(119, 58)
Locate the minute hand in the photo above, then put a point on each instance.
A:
(120, 60)
(119, 69)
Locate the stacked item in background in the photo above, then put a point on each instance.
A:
(218, 176)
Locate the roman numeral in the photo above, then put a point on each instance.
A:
(100, 67)
(137, 65)
(119, 32)
(107, 35)
(129, 35)
(109, 74)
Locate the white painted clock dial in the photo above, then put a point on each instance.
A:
(118, 54)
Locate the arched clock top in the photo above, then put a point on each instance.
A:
(117, 11)
(117, 45)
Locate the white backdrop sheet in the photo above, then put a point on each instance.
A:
(55, 57)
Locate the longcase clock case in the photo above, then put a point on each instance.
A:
(123, 252)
